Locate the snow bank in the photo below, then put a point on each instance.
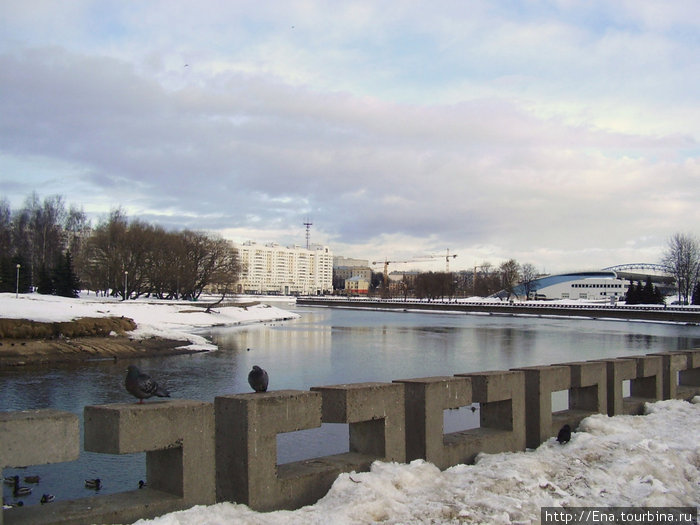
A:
(167, 319)
(650, 460)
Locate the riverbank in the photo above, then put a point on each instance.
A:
(689, 315)
(38, 329)
(30, 352)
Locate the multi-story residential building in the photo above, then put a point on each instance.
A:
(273, 269)
(345, 268)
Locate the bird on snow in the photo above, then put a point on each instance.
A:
(258, 379)
(564, 434)
(141, 385)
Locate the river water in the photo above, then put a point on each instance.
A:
(324, 347)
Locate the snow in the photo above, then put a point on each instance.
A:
(167, 319)
(649, 460)
(642, 461)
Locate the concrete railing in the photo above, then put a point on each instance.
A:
(201, 453)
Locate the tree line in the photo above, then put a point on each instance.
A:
(59, 252)
(681, 259)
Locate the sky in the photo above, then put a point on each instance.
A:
(559, 133)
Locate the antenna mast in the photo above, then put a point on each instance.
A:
(308, 224)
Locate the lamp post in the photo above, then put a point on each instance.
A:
(126, 277)
(17, 282)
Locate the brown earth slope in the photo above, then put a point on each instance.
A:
(24, 342)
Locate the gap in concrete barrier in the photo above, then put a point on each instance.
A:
(459, 419)
(626, 388)
(560, 400)
(311, 443)
(66, 480)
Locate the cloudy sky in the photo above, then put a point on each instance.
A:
(561, 133)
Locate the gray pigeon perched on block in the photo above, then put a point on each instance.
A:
(141, 385)
(257, 379)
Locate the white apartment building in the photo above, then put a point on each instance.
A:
(274, 269)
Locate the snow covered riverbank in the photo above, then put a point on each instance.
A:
(178, 321)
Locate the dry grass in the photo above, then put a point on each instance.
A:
(83, 327)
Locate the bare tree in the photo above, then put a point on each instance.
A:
(510, 275)
(682, 257)
(528, 274)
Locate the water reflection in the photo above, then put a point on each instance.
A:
(323, 347)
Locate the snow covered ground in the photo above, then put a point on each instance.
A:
(167, 319)
(630, 461)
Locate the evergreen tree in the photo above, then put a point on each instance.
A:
(647, 295)
(7, 276)
(634, 293)
(66, 280)
(658, 296)
(696, 294)
(45, 283)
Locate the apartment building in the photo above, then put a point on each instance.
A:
(277, 270)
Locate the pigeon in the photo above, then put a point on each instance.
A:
(141, 385)
(257, 379)
(564, 434)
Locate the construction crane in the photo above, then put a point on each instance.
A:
(426, 258)
(387, 262)
(447, 260)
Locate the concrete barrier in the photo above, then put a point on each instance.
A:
(501, 398)
(425, 400)
(689, 378)
(199, 453)
(248, 424)
(646, 380)
(540, 383)
(681, 372)
(587, 394)
(35, 437)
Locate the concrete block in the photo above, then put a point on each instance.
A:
(375, 414)
(246, 451)
(617, 371)
(540, 382)
(501, 398)
(673, 363)
(425, 400)
(36, 437)
(587, 395)
(689, 379)
(647, 385)
(178, 438)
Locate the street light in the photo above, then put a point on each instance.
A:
(126, 277)
(17, 283)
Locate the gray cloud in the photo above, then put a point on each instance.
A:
(582, 153)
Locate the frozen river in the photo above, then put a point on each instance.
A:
(324, 347)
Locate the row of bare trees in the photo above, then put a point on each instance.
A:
(483, 281)
(121, 257)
